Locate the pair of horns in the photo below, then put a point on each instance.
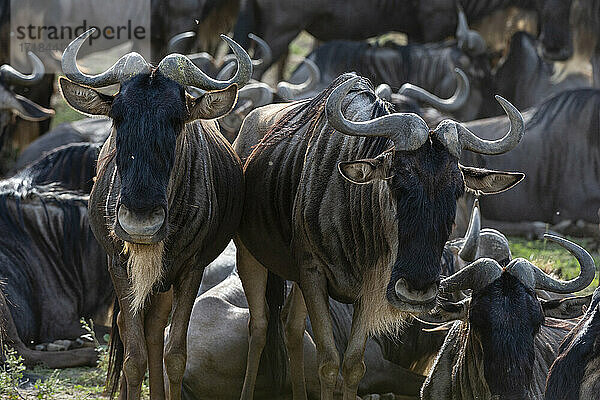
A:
(484, 271)
(409, 132)
(174, 66)
(11, 76)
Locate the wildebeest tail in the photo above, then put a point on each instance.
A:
(275, 353)
(116, 355)
(246, 23)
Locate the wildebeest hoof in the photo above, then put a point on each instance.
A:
(67, 344)
(55, 347)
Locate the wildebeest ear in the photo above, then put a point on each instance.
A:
(31, 111)
(212, 104)
(570, 307)
(363, 171)
(85, 99)
(486, 181)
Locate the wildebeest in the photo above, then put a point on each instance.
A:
(384, 216)
(279, 22)
(52, 270)
(559, 155)
(206, 18)
(12, 104)
(526, 79)
(72, 167)
(166, 201)
(502, 346)
(85, 131)
(429, 66)
(575, 374)
(393, 365)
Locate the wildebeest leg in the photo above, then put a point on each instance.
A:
(155, 322)
(9, 336)
(254, 280)
(314, 287)
(353, 366)
(131, 330)
(184, 295)
(295, 324)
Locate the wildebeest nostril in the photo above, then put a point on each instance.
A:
(141, 223)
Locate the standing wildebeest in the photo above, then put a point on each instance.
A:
(12, 104)
(392, 365)
(165, 203)
(526, 79)
(503, 347)
(575, 374)
(368, 232)
(559, 155)
(278, 22)
(52, 270)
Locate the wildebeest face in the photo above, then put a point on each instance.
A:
(555, 30)
(149, 113)
(505, 317)
(425, 185)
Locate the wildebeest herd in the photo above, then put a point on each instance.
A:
(320, 237)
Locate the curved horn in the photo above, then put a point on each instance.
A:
(125, 68)
(586, 276)
(454, 103)
(13, 77)
(183, 71)
(266, 53)
(180, 37)
(476, 275)
(407, 131)
(467, 39)
(468, 252)
(259, 94)
(226, 72)
(456, 136)
(290, 91)
(384, 91)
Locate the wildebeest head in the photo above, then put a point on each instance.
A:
(422, 174)
(505, 315)
(555, 36)
(149, 112)
(12, 104)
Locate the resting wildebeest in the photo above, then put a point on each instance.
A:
(217, 354)
(166, 201)
(575, 374)
(430, 66)
(12, 104)
(87, 130)
(559, 155)
(375, 194)
(52, 271)
(71, 167)
(278, 22)
(526, 79)
(502, 346)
